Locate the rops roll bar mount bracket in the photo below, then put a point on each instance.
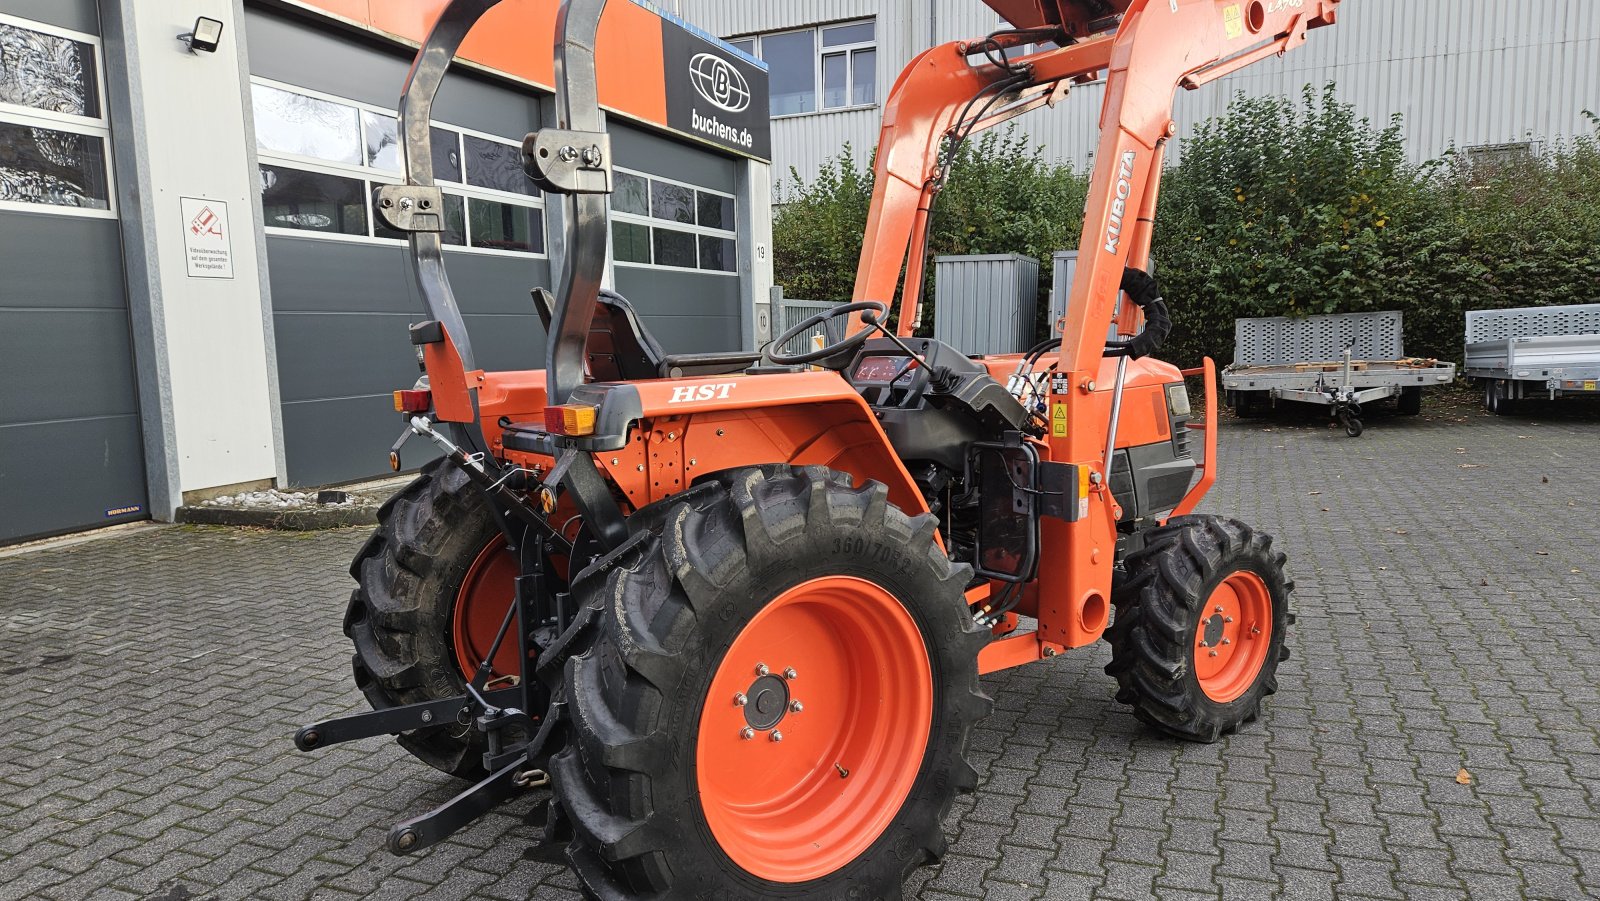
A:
(572, 158)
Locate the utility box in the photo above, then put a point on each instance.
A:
(984, 304)
(1063, 265)
(1063, 268)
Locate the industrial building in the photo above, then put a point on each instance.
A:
(195, 297)
(1486, 76)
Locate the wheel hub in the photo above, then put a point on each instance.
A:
(768, 701)
(1232, 641)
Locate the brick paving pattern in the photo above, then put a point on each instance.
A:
(1449, 617)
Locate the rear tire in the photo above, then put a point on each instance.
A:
(409, 576)
(665, 796)
(1186, 667)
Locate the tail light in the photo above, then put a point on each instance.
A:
(413, 401)
(575, 420)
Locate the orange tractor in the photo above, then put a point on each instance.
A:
(733, 608)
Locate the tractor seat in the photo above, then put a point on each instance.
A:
(621, 349)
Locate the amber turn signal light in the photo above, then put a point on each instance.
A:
(574, 420)
(412, 401)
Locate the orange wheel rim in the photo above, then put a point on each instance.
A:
(814, 729)
(1233, 635)
(480, 607)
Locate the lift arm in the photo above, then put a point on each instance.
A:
(1157, 46)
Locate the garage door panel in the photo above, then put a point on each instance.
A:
(496, 284)
(65, 364)
(342, 440)
(60, 261)
(60, 476)
(323, 355)
(507, 342)
(310, 275)
(688, 312)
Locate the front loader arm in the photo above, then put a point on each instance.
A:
(932, 100)
(1158, 46)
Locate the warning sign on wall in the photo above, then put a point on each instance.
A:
(207, 238)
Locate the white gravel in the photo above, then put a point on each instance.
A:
(273, 499)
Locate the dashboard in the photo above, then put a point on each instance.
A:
(884, 370)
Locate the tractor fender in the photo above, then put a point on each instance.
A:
(683, 429)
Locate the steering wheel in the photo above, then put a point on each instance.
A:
(850, 342)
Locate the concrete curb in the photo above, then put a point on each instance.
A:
(302, 519)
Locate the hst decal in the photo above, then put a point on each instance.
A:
(684, 394)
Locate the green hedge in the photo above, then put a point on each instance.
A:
(1277, 207)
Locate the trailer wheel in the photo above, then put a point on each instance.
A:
(1409, 402)
(1497, 397)
(778, 699)
(1200, 626)
(1249, 403)
(428, 580)
(1352, 424)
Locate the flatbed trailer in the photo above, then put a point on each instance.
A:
(1533, 352)
(1340, 361)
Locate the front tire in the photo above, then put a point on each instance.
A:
(674, 789)
(1200, 626)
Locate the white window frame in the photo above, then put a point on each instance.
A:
(371, 176)
(818, 51)
(95, 127)
(694, 228)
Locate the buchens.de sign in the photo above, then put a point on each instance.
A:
(207, 250)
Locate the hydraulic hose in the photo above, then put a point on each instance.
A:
(1142, 289)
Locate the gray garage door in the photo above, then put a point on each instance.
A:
(342, 294)
(674, 241)
(71, 455)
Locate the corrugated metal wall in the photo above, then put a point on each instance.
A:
(1467, 72)
(984, 303)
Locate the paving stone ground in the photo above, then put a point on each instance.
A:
(1449, 618)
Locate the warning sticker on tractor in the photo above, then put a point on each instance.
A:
(1058, 420)
(1232, 21)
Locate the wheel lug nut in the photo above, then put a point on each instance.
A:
(1255, 630)
(1213, 653)
(1219, 608)
(747, 733)
(1227, 619)
(789, 673)
(761, 669)
(776, 735)
(796, 707)
(1227, 641)
(739, 700)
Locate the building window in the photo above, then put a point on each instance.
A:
(54, 136)
(824, 68)
(660, 222)
(322, 158)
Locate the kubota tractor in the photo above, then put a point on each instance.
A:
(733, 608)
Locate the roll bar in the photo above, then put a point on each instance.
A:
(573, 158)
